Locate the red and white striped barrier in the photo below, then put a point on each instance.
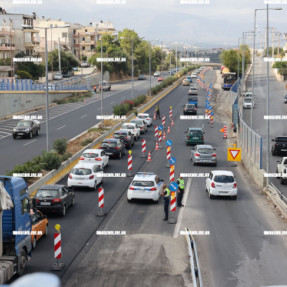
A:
(170, 112)
(154, 116)
(130, 162)
(143, 147)
(156, 131)
(211, 121)
(173, 201)
(168, 151)
(101, 197)
(171, 173)
(57, 245)
(225, 131)
(163, 120)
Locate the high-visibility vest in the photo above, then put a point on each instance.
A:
(181, 183)
(167, 192)
(156, 108)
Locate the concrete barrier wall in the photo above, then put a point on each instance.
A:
(12, 103)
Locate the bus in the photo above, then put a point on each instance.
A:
(229, 80)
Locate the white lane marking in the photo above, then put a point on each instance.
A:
(111, 102)
(83, 116)
(59, 128)
(180, 214)
(1, 132)
(30, 142)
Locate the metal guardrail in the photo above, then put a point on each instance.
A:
(279, 193)
(193, 258)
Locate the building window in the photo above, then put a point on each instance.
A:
(64, 35)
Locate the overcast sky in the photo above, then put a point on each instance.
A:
(216, 24)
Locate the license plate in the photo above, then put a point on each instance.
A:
(223, 191)
(20, 134)
(108, 153)
(283, 149)
(45, 203)
(195, 138)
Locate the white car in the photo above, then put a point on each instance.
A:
(248, 94)
(141, 124)
(133, 128)
(194, 75)
(85, 175)
(248, 103)
(95, 156)
(192, 91)
(146, 117)
(58, 76)
(145, 185)
(221, 183)
(156, 74)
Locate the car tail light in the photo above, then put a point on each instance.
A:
(188, 138)
(185, 109)
(214, 155)
(213, 185)
(154, 188)
(98, 159)
(38, 200)
(197, 154)
(234, 185)
(195, 108)
(70, 176)
(117, 147)
(56, 200)
(91, 177)
(141, 128)
(132, 188)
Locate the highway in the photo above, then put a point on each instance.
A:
(276, 107)
(67, 120)
(236, 253)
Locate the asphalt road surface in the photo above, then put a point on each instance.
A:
(153, 253)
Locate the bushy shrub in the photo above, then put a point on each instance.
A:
(86, 142)
(50, 160)
(139, 100)
(65, 156)
(60, 145)
(24, 75)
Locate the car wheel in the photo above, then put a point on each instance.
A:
(73, 201)
(38, 132)
(95, 186)
(215, 164)
(34, 242)
(46, 230)
(273, 152)
(210, 195)
(63, 211)
(234, 197)
(277, 172)
(282, 180)
(129, 200)
(186, 143)
(14, 136)
(31, 135)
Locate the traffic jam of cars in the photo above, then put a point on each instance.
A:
(88, 173)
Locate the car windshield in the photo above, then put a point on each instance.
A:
(195, 133)
(81, 171)
(129, 127)
(281, 139)
(143, 183)
(90, 155)
(109, 144)
(247, 100)
(224, 178)
(142, 116)
(24, 124)
(192, 99)
(120, 135)
(47, 193)
(205, 150)
(190, 106)
(194, 89)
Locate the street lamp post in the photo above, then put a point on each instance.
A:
(102, 81)
(267, 102)
(46, 76)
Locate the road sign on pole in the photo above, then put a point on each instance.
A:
(234, 154)
(172, 160)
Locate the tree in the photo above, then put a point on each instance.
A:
(68, 60)
(33, 69)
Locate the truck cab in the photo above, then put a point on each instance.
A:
(16, 228)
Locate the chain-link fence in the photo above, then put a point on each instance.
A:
(250, 143)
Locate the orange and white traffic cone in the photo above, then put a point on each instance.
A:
(156, 146)
(168, 130)
(172, 123)
(149, 156)
(164, 137)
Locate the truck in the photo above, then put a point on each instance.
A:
(15, 226)
(279, 146)
(281, 170)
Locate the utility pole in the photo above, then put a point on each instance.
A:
(59, 56)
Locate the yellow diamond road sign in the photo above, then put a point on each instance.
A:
(234, 154)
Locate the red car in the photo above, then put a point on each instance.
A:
(160, 79)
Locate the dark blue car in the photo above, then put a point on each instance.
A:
(192, 100)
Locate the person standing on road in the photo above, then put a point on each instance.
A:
(157, 111)
(166, 197)
(180, 191)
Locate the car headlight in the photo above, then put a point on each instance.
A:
(27, 130)
(14, 130)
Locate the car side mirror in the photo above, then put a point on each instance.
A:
(278, 161)
(185, 131)
(272, 140)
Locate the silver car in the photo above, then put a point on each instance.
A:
(192, 91)
(141, 124)
(203, 154)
